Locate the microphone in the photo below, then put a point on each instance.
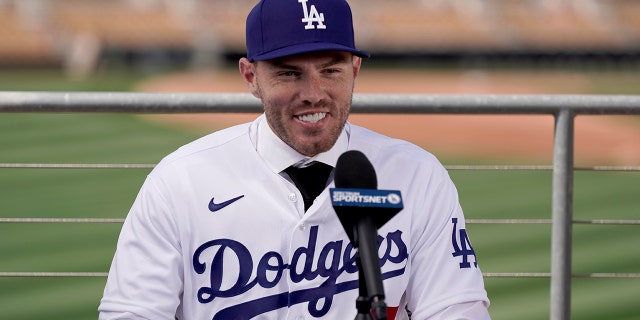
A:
(356, 196)
(362, 209)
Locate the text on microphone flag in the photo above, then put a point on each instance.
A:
(371, 198)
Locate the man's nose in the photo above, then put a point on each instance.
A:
(312, 90)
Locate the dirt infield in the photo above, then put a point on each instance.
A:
(599, 140)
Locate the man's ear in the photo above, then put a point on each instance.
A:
(357, 62)
(248, 73)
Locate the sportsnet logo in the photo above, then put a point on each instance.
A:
(307, 263)
(372, 198)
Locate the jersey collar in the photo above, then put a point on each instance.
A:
(278, 155)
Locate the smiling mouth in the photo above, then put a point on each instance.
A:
(313, 117)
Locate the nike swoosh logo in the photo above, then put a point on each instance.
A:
(217, 206)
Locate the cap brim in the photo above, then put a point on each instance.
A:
(307, 48)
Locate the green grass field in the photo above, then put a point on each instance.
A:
(125, 138)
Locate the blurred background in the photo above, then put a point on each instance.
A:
(82, 36)
(418, 46)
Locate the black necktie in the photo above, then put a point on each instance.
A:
(310, 180)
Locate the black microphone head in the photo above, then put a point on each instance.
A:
(354, 170)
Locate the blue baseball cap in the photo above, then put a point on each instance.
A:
(278, 28)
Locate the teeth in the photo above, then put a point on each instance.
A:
(313, 118)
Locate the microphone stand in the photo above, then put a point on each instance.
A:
(370, 304)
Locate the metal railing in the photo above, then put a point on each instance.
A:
(564, 108)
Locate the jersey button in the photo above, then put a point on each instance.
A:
(302, 227)
(293, 197)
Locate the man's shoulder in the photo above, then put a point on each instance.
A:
(225, 138)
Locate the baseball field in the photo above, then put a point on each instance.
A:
(455, 139)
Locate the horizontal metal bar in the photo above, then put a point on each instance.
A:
(469, 221)
(607, 275)
(549, 221)
(609, 168)
(548, 275)
(516, 274)
(448, 167)
(127, 102)
(485, 274)
(608, 222)
(500, 167)
(508, 221)
(52, 274)
(143, 102)
(61, 220)
(541, 168)
(496, 104)
(76, 166)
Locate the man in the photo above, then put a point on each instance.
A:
(219, 229)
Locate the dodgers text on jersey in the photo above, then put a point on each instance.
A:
(334, 259)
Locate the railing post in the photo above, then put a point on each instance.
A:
(562, 215)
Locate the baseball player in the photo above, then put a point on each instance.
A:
(220, 231)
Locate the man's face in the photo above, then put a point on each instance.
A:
(306, 98)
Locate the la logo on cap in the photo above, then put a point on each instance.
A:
(312, 15)
(280, 28)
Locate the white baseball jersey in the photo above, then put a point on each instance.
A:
(217, 233)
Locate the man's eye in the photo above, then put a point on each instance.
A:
(287, 74)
